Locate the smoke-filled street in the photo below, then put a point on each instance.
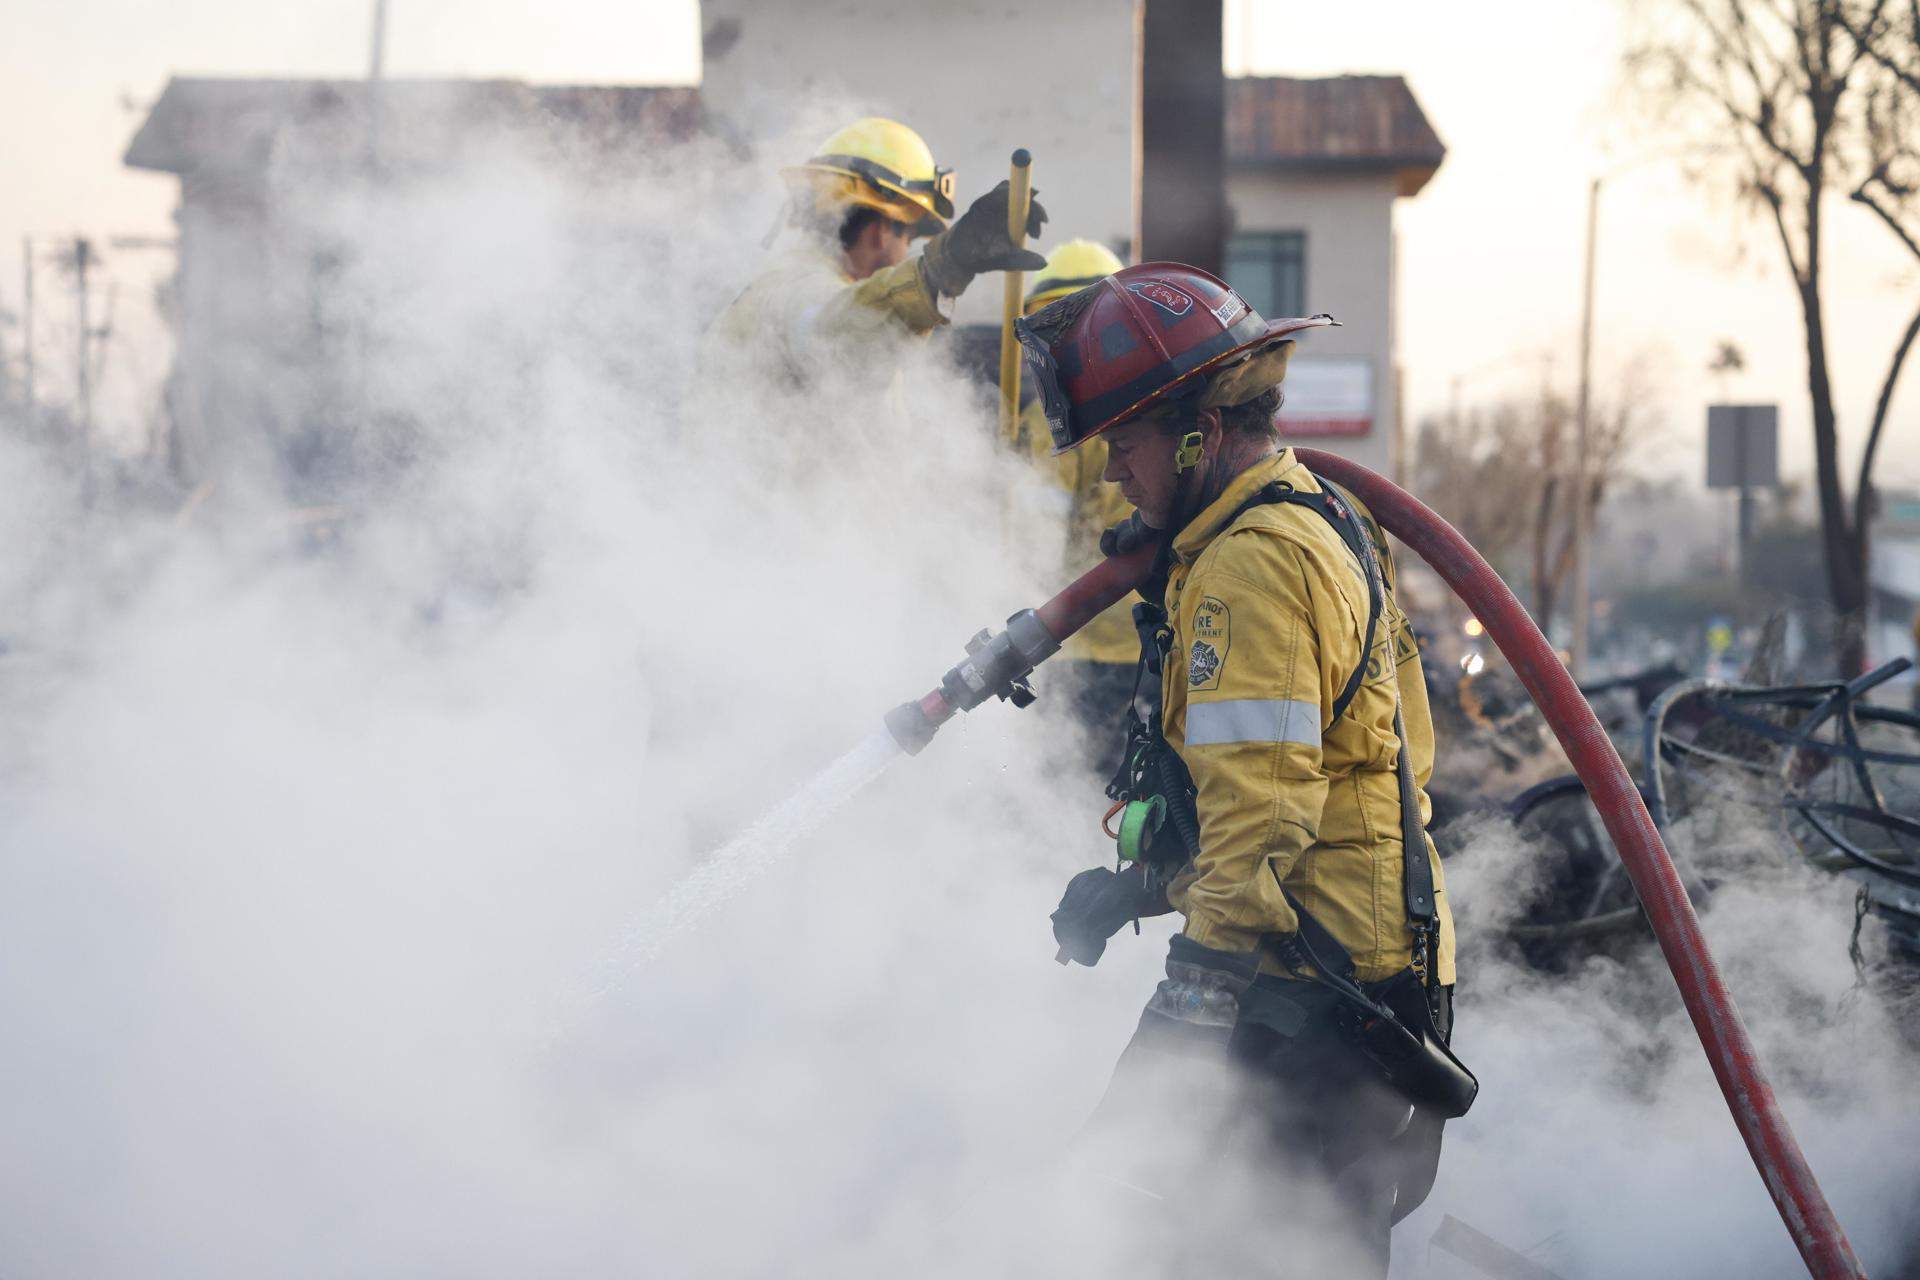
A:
(501, 768)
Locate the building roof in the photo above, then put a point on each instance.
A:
(221, 124)
(1274, 123)
(1331, 124)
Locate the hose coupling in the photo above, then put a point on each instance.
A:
(998, 663)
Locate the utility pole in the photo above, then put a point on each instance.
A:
(1181, 209)
(376, 67)
(83, 378)
(376, 73)
(1582, 596)
(26, 323)
(1583, 445)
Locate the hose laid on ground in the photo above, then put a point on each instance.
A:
(1736, 1065)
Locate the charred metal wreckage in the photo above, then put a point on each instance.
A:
(1813, 771)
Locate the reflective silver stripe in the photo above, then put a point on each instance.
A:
(1253, 720)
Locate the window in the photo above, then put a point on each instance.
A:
(1269, 269)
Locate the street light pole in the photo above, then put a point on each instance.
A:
(82, 364)
(376, 89)
(26, 322)
(1582, 475)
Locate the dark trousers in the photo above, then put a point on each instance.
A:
(1326, 1116)
(1289, 1155)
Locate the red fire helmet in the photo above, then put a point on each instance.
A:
(1145, 335)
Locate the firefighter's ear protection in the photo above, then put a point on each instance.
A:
(1187, 456)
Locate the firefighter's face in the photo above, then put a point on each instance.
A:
(1140, 458)
(882, 243)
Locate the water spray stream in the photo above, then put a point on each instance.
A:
(725, 872)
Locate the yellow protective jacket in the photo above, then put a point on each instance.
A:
(1091, 506)
(802, 306)
(1269, 612)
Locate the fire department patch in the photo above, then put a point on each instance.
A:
(1164, 296)
(1203, 667)
(1212, 635)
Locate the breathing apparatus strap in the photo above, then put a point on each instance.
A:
(1337, 514)
(1416, 879)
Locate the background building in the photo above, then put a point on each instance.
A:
(972, 77)
(1314, 169)
(269, 360)
(1311, 172)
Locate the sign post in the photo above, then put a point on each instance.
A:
(1328, 397)
(1743, 452)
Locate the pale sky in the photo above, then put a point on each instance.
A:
(1524, 95)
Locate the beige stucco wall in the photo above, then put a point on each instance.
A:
(1348, 221)
(781, 56)
(976, 78)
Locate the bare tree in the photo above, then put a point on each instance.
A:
(1801, 101)
(1457, 468)
(1502, 473)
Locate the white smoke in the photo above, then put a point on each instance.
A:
(314, 836)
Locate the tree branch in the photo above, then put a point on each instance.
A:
(1862, 196)
(1880, 408)
(1738, 49)
(1869, 43)
(1778, 205)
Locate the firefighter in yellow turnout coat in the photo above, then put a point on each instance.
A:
(842, 277)
(1304, 1019)
(1249, 721)
(1097, 662)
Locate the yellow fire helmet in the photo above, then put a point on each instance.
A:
(1071, 267)
(879, 164)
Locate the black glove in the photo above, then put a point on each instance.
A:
(1129, 535)
(1097, 905)
(978, 241)
(1198, 1001)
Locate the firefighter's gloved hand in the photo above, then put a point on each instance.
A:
(1129, 535)
(1197, 1003)
(1097, 905)
(978, 241)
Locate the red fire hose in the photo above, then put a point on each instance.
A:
(1803, 1207)
(995, 665)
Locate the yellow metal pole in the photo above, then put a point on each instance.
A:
(1020, 194)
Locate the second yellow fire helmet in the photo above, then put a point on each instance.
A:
(1071, 267)
(879, 164)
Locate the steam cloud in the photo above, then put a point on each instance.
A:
(308, 856)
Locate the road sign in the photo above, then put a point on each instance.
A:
(1328, 397)
(1743, 446)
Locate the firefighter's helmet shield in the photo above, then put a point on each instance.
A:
(1046, 380)
(1037, 334)
(1149, 335)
